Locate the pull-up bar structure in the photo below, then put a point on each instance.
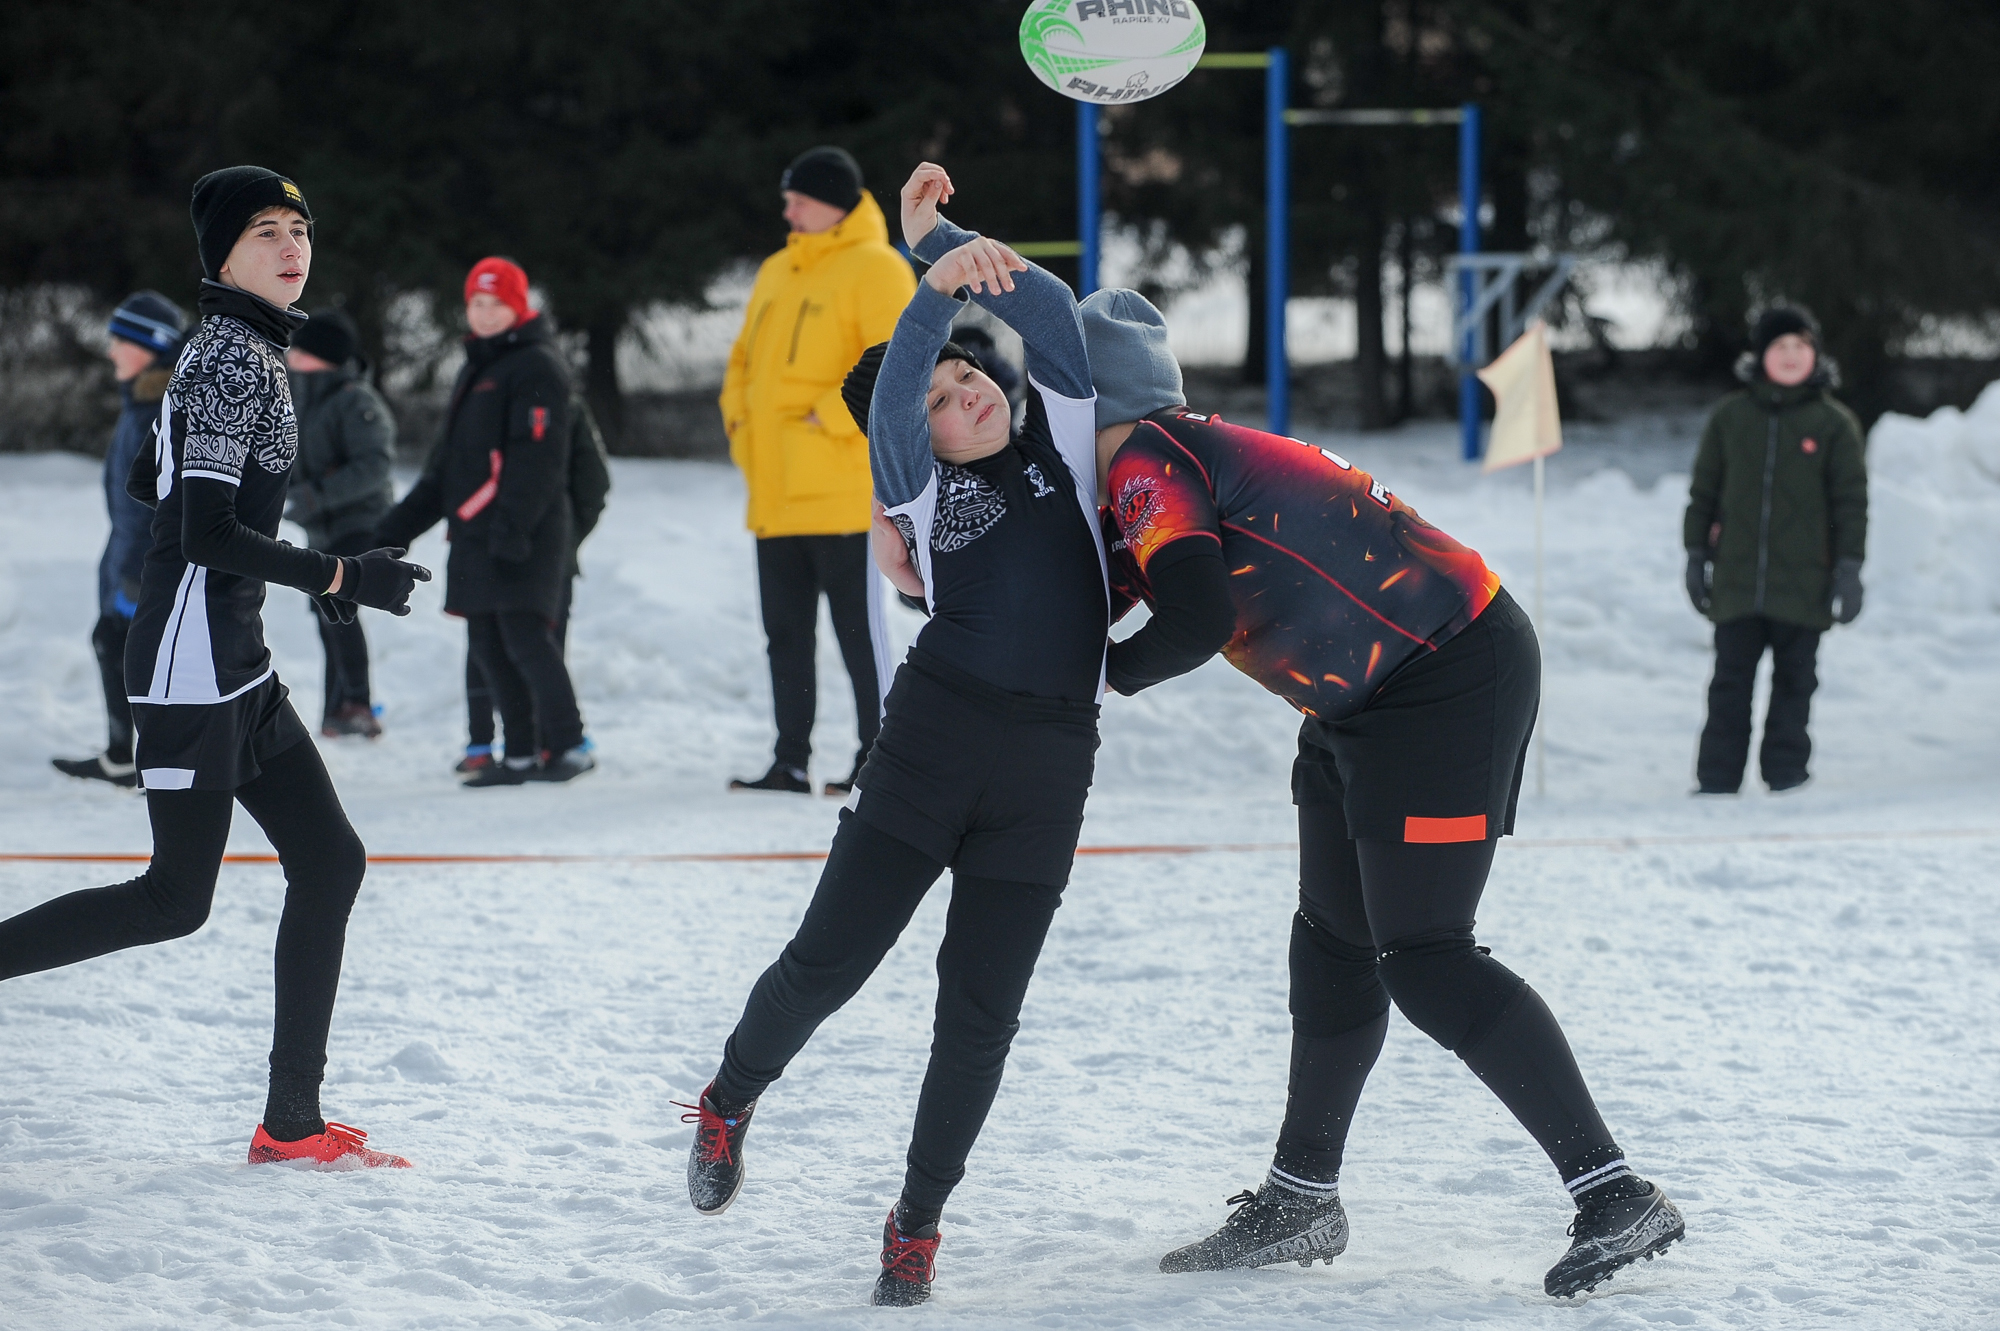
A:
(1278, 120)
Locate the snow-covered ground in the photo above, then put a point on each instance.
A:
(1786, 1006)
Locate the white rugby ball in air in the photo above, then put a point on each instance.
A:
(1112, 51)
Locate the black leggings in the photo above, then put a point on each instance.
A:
(1382, 920)
(520, 661)
(294, 802)
(869, 890)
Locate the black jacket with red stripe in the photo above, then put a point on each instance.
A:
(499, 477)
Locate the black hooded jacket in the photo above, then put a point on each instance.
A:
(499, 477)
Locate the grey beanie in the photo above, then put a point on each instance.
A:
(1134, 373)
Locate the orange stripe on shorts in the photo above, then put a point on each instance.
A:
(1435, 830)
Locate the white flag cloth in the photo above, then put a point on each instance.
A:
(1526, 425)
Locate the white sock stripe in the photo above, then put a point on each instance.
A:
(1305, 1186)
(1584, 1182)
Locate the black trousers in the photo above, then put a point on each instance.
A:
(517, 654)
(870, 888)
(108, 641)
(1384, 920)
(345, 645)
(479, 694)
(1725, 741)
(792, 573)
(294, 802)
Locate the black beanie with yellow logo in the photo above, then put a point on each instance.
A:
(226, 200)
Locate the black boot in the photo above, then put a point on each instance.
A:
(715, 1160)
(791, 780)
(1273, 1224)
(909, 1263)
(1612, 1233)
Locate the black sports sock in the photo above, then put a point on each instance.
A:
(291, 1111)
(1328, 1073)
(910, 1219)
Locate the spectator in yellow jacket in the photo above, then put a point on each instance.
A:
(834, 290)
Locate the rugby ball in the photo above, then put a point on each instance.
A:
(1110, 52)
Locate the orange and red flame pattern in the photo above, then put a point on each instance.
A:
(1336, 582)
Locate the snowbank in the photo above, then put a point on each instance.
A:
(1934, 510)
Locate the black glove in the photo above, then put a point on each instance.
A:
(334, 610)
(1697, 579)
(381, 579)
(1845, 602)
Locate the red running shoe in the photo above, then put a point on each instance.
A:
(909, 1264)
(339, 1147)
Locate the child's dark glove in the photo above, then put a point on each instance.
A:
(1697, 579)
(1845, 601)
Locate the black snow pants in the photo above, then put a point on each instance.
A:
(479, 699)
(294, 802)
(792, 572)
(870, 888)
(1740, 645)
(520, 661)
(345, 645)
(108, 641)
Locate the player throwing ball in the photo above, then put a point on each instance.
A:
(989, 733)
(214, 724)
(1418, 679)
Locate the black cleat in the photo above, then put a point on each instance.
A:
(909, 1265)
(100, 768)
(1274, 1224)
(1612, 1234)
(790, 780)
(478, 757)
(715, 1160)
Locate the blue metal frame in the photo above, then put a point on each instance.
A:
(1088, 178)
(1468, 243)
(1277, 243)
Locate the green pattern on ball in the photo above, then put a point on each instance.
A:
(1037, 26)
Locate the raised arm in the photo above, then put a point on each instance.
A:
(899, 428)
(1040, 306)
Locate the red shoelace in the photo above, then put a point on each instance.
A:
(911, 1259)
(712, 1129)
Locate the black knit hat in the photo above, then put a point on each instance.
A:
(830, 175)
(1780, 321)
(226, 200)
(857, 390)
(152, 321)
(329, 335)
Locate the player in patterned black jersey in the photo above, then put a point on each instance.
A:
(989, 733)
(214, 724)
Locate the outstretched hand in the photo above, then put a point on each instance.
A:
(381, 579)
(927, 189)
(978, 263)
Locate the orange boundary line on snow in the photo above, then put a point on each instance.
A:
(1214, 848)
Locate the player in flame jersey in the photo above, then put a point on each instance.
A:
(1334, 581)
(1418, 679)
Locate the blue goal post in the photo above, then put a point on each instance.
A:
(1278, 120)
